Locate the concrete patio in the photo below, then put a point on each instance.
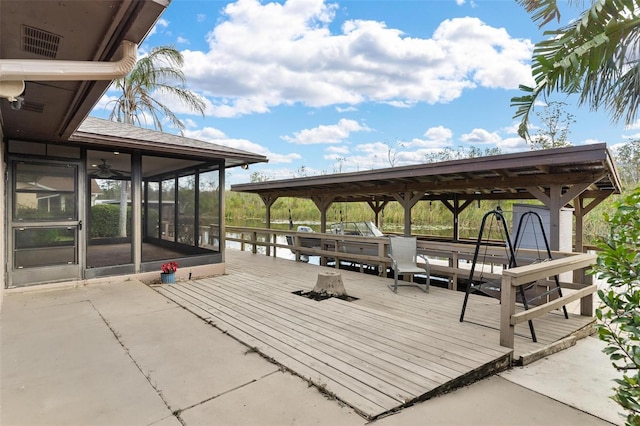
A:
(121, 353)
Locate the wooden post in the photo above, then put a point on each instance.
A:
(407, 200)
(586, 303)
(507, 309)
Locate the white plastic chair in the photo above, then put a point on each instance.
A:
(403, 252)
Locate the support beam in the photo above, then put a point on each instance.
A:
(456, 209)
(268, 201)
(221, 209)
(407, 200)
(555, 200)
(323, 203)
(377, 206)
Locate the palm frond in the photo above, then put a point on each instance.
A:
(587, 57)
(542, 11)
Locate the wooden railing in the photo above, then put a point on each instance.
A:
(515, 277)
(447, 260)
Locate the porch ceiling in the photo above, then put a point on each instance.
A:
(78, 31)
(509, 176)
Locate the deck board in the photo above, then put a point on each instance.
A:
(376, 354)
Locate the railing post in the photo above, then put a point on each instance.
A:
(507, 309)
(296, 245)
(453, 263)
(382, 267)
(254, 240)
(275, 241)
(267, 237)
(586, 303)
(242, 241)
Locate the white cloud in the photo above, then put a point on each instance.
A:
(631, 137)
(339, 150)
(201, 17)
(160, 24)
(347, 109)
(334, 133)
(512, 129)
(439, 133)
(436, 137)
(512, 145)
(182, 40)
(189, 123)
(264, 55)
(633, 126)
(481, 136)
(210, 134)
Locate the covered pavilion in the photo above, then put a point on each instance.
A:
(579, 176)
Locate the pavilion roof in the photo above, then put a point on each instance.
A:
(507, 176)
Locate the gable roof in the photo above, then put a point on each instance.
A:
(99, 133)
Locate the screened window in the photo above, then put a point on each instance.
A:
(44, 192)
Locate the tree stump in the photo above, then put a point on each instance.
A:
(330, 283)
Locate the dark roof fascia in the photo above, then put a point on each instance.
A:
(542, 158)
(109, 134)
(136, 21)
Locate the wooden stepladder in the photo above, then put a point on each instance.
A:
(494, 223)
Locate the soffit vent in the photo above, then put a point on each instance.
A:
(32, 107)
(40, 42)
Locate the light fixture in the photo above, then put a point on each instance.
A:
(16, 104)
(11, 91)
(245, 166)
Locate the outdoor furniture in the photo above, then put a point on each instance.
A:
(403, 252)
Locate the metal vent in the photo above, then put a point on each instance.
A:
(32, 106)
(40, 42)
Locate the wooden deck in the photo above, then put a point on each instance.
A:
(376, 354)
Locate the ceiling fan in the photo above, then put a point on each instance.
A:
(105, 171)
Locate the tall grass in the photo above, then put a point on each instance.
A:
(428, 217)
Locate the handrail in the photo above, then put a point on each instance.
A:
(454, 255)
(515, 277)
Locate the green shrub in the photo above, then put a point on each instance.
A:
(619, 317)
(105, 219)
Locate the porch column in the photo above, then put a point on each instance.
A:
(268, 201)
(579, 276)
(407, 200)
(323, 203)
(136, 210)
(223, 229)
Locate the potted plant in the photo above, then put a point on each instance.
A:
(168, 274)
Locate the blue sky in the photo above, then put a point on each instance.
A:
(329, 86)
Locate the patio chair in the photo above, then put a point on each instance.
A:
(403, 252)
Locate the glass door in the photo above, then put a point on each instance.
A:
(45, 223)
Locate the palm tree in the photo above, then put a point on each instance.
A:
(595, 56)
(160, 71)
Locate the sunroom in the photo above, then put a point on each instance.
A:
(115, 200)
